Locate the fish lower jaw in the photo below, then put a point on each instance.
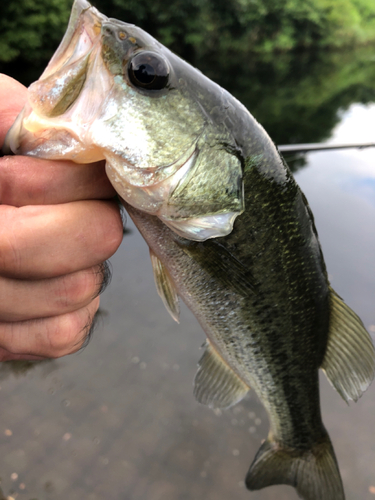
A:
(40, 137)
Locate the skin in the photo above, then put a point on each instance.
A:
(58, 225)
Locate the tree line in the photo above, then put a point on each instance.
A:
(31, 29)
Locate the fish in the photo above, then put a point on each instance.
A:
(228, 228)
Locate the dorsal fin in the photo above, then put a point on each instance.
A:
(349, 361)
(215, 383)
(165, 287)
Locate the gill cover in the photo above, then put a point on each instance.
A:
(113, 92)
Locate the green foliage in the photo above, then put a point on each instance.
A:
(31, 29)
(265, 26)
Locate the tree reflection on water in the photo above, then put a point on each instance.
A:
(297, 97)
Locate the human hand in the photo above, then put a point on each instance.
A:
(57, 227)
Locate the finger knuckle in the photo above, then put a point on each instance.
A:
(62, 340)
(10, 255)
(113, 231)
(68, 335)
(103, 273)
(5, 355)
(77, 289)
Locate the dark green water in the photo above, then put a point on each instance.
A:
(118, 421)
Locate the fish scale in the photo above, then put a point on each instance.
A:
(261, 369)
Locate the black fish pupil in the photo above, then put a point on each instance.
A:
(144, 73)
(148, 71)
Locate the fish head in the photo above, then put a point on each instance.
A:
(113, 92)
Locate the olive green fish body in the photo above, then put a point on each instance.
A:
(273, 330)
(261, 295)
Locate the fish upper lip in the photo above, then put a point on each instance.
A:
(82, 35)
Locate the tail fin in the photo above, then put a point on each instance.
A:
(314, 473)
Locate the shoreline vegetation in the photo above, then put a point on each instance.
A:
(31, 29)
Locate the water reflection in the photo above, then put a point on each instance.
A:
(20, 368)
(298, 98)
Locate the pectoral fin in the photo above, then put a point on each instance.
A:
(215, 383)
(349, 362)
(165, 287)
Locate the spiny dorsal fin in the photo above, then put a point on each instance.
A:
(349, 361)
(314, 473)
(165, 287)
(215, 383)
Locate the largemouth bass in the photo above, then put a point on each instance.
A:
(229, 232)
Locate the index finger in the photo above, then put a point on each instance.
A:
(31, 181)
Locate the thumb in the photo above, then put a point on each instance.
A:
(12, 99)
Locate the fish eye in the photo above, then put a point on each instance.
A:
(148, 70)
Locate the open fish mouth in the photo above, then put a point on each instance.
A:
(39, 130)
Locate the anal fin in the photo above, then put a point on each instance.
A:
(349, 361)
(215, 383)
(165, 287)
